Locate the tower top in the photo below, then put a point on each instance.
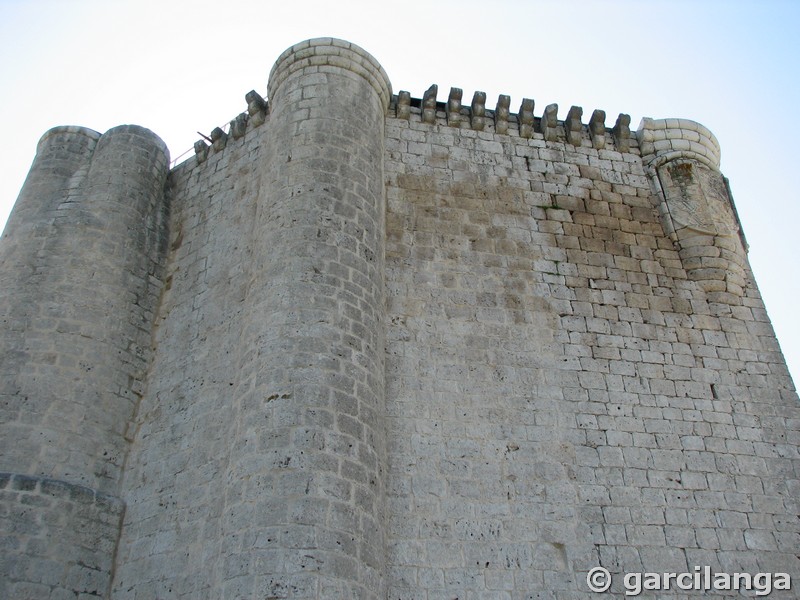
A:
(324, 53)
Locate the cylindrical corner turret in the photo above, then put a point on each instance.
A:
(78, 263)
(663, 140)
(329, 55)
(61, 162)
(682, 158)
(306, 477)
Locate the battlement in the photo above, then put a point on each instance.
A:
(452, 113)
(257, 113)
(658, 141)
(524, 124)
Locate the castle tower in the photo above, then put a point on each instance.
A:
(78, 289)
(259, 461)
(373, 346)
(312, 372)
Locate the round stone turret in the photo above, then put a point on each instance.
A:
(306, 478)
(682, 158)
(77, 295)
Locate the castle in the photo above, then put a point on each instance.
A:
(364, 345)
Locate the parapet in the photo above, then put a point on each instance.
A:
(477, 117)
(324, 54)
(658, 141)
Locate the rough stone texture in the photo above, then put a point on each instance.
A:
(58, 538)
(172, 545)
(80, 264)
(287, 240)
(561, 394)
(405, 349)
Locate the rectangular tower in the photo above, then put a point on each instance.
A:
(371, 346)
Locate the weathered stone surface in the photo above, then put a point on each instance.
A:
(478, 113)
(256, 108)
(525, 118)
(454, 107)
(360, 354)
(501, 113)
(62, 538)
(597, 129)
(200, 151)
(403, 105)
(549, 122)
(622, 133)
(219, 139)
(429, 104)
(81, 265)
(573, 126)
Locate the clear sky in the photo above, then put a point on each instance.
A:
(179, 67)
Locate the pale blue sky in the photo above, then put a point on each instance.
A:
(178, 67)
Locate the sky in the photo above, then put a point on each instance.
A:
(181, 67)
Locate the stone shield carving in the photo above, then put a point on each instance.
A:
(697, 198)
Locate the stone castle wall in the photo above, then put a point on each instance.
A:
(371, 346)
